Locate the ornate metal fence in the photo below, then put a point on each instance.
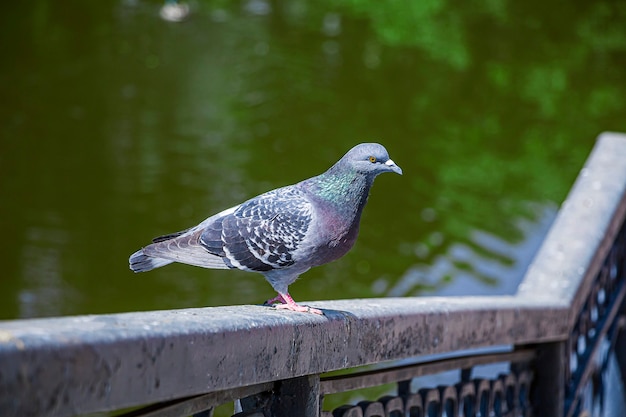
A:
(558, 344)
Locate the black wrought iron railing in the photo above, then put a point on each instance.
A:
(558, 346)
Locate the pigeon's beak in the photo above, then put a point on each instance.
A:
(393, 167)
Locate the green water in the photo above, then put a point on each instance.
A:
(116, 126)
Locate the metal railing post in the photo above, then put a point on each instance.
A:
(548, 393)
(296, 397)
(290, 397)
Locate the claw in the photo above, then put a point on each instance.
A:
(297, 307)
(285, 302)
(278, 299)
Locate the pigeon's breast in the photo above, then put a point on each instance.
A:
(334, 235)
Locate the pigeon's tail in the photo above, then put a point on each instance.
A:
(184, 247)
(140, 262)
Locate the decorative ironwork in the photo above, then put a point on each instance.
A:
(593, 337)
(506, 395)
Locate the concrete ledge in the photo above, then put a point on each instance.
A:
(73, 365)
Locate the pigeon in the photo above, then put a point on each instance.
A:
(281, 233)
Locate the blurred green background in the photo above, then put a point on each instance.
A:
(117, 126)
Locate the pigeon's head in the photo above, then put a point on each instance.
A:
(370, 158)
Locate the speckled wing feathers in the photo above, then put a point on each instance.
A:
(262, 233)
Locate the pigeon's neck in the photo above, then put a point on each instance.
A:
(339, 196)
(346, 191)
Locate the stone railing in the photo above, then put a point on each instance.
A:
(553, 345)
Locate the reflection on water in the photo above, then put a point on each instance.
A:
(484, 260)
(122, 126)
(43, 290)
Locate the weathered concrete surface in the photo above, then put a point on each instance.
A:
(72, 365)
(584, 230)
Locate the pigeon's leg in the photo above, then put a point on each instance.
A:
(289, 304)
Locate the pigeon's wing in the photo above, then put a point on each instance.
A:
(263, 233)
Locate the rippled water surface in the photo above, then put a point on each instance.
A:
(117, 126)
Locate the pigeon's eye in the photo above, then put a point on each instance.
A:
(372, 159)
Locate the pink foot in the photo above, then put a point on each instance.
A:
(297, 307)
(287, 303)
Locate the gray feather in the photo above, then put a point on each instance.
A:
(263, 233)
(139, 262)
